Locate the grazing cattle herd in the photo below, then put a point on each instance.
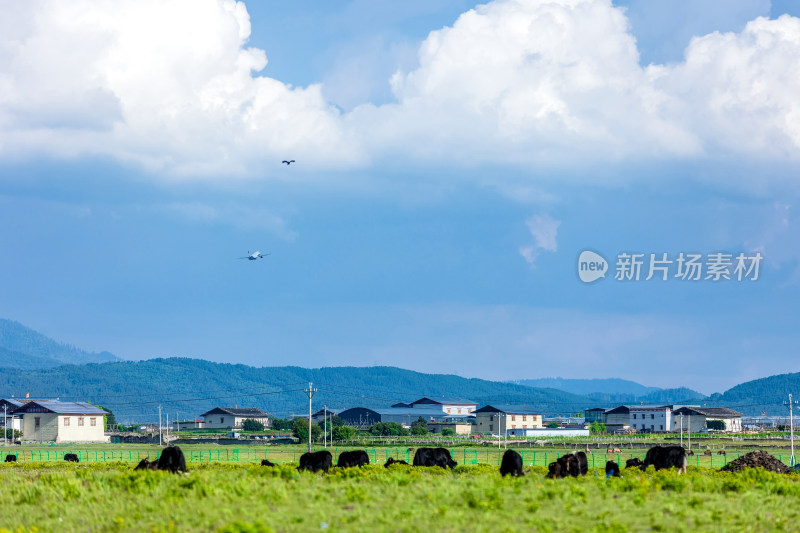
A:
(572, 464)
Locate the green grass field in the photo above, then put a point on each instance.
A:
(231, 497)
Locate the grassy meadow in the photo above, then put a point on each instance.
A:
(233, 497)
(464, 455)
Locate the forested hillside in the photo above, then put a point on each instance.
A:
(22, 347)
(133, 390)
(34, 364)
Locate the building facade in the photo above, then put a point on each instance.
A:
(233, 417)
(449, 406)
(54, 421)
(182, 425)
(405, 416)
(698, 418)
(496, 419)
(7, 418)
(651, 418)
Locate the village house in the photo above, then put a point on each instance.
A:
(496, 419)
(7, 418)
(55, 421)
(450, 406)
(320, 416)
(651, 418)
(699, 417)
(233, 417)
(182, 425)
(405, 416)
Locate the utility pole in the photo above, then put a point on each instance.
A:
(689, 431)
(681, 430)
(159, 425)
(325, 427)
(167, 426)
(791, 428)
(310, 391)
(498, 432)
(5, 424)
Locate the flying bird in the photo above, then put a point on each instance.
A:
(288, 162)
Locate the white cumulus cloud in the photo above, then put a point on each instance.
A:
(172, 85)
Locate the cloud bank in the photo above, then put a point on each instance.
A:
(172, 86)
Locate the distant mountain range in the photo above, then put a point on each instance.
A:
(614, 390)
(590, 386)
(22, 347)
(32, 363)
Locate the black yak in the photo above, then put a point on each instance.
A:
(434, 457)
(316, 461)
(354, 458)
(511, 464)
(172, 460)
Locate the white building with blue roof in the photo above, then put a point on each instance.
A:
(55, 421)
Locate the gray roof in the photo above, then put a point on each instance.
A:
(235, 411)
(444, 401)
(513, 409)
(712, 412)
(416, 412)
(61, 408)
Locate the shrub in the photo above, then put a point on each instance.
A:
(251, 424)
(341, 433)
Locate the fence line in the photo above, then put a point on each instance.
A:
(464, 456)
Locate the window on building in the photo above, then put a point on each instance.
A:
(66, 421)
(93, 422)
(524, 418)
(222, 420)
(661, 427)
(80, 420)
(491, 427)
(37, 422)
(634, 416)
(513, 418)
(652, 428)
(491, 418)
(449, 411)
(652, 416)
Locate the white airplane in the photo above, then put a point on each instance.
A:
(255, 255)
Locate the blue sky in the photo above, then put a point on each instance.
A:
(452, 161)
